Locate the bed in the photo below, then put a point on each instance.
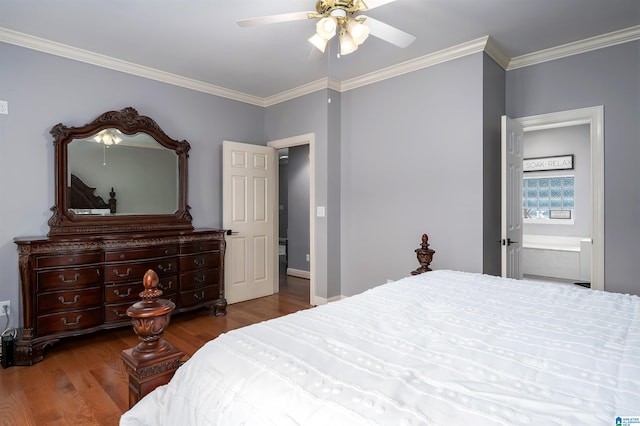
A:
(439, 348)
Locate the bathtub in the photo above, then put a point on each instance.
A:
(557, 257)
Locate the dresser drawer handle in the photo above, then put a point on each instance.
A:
(199, 296)
(199, 262)
(199, 280)
(169, 286)
(167, 268)
(65, 280)
(64, 321)
(167, 251)
(75, 300)
(199, 248)
(118, 314)
(126, 274)
(117, 293)
(71, 260)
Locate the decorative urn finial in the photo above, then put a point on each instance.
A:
(424, 255)
(150, 317)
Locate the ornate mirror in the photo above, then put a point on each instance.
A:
(119, 173)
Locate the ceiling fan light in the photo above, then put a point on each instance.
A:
(359, 32)
(326, 27)
(347, 44)
(319, 42)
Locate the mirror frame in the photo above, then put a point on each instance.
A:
(64, 222)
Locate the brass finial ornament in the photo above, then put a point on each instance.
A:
(424, 255)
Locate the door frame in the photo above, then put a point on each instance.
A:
(594, 117)
(305, 139)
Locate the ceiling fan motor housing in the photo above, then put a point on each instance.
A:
(338, 8)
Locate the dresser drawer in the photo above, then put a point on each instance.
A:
(146, 253)
(199, 261)
(196, 279)
(69, 259)
(69, 300)
(131, 291)
(72, 320)
(193, 297)
(135, 271)
(200, 247)
(68, 278)
(117, 312)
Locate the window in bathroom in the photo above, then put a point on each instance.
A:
(548, 199)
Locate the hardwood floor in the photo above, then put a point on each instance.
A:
(83, 381)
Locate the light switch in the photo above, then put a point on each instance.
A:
(320, 211)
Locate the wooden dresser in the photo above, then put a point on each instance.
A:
(84, 275)
(75, 286)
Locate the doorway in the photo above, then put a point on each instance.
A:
(297, 141)
(594, 118)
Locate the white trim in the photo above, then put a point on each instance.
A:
(306, 139)
(593, 43)
(70, 52)
(300, 273)
(445, 55)
(551, 222)
(296, 92)
(593, 116)
(324, 301)
(485, 44)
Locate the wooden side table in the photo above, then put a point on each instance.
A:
(153, 361)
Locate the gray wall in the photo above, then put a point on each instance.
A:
(493, 100)
(563, 141)
(394, 159)
(609, 77)
(309, 114)
(43, 90)
(412, 162)
(283, 195)
(298, 207)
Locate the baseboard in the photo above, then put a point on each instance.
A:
(317, 301)
(299, 273)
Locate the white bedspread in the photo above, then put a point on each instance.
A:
(441, 348)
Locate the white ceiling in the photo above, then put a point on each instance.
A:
(199, 39)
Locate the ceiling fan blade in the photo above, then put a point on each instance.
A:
(388, 33)
(376, 3)
(295, 16)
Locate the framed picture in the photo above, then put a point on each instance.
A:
(539, 164)
(559, 214)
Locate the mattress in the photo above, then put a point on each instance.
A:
(441, 348)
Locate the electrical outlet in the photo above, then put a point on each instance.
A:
(4, 303)
(4, 109)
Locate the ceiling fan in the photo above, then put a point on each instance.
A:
(341, 17)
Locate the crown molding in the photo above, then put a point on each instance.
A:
(296, 92)
(496, 53)
(69, 52)
(593, 43)
(425, 61)
(483, 44)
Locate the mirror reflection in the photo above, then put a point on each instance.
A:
(143, 174)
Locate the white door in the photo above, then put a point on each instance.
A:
(511, 217)
(249, 200)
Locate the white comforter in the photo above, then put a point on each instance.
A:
(441, 348)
